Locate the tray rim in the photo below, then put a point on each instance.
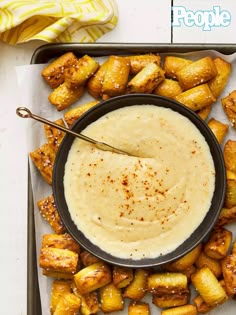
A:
(44, 53)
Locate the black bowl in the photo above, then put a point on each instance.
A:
(128, 100)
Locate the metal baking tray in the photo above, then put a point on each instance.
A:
(48, 52)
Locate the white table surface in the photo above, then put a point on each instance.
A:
(146, 21)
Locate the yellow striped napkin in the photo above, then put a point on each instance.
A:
(56, 20)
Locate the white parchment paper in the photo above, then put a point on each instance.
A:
(34, 95)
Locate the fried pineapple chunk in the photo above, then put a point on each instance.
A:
(230, 155)
(94, 84)
(57, 274)
(111, 298)
(218, 83)
(92, 277)
(56, 259)
(75, 113)
(229, 273)
(173, 64)
(202, 306)
(54, 136)
(59, 288)
(170, 300)
(49, 212)
(197, 97)
(68, 304)
(88, 259)
(168, 88)
(63, 241)
(53, 73)
(43, 158)
(164, 283)
(186, 261)
(78, 75)
(213, 264)
(204, 112)
(138, 308)
(63, 96)
(219, 243)
(208, 287)
(168, 289)
(230, 197)
(89, 301)
(116, 76)
(233, 250)
(218, 128)
(138, 62)
(122, 276)
(147, 79)
(138, 286)
(197, 73)
(229, 107)
(188, 309)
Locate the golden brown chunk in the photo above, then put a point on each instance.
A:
(170, 300)
(94, 84)
(230, 155)
(196, 98)
(229, 107)
(92, 277)
(111, 298)
(197, 73)
(218, 244)
(230, 197)
(122, 276)
(229, 274)
(168, 88)
(54, 136)
(218, 128)
(138, 62)
(226, 216)
(59, 288)
(173, 64)
(57, 275)
(56, 259)
(69, 304)
(43, 159)
(230, 175)
(63, 241)
(63, 96)
(204, 112)
(208, 286)
(164, 283)
(78, 75)
(88, 259)
(75, 113)
(189, 272)
(89, 301)
(138, 308)
(54, 72)
(186, 261)
(138, 287)
(188, 309)
(218, 83)
(146, 80)
(233, 251)
(202, 306)
(49, 212)
(116, 76)
(206, 261)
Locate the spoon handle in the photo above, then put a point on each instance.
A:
(24, 112)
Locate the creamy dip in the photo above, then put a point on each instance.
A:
(144, 206)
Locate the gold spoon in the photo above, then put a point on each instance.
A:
(24, 112)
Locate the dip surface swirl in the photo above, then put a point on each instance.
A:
(140, 206)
